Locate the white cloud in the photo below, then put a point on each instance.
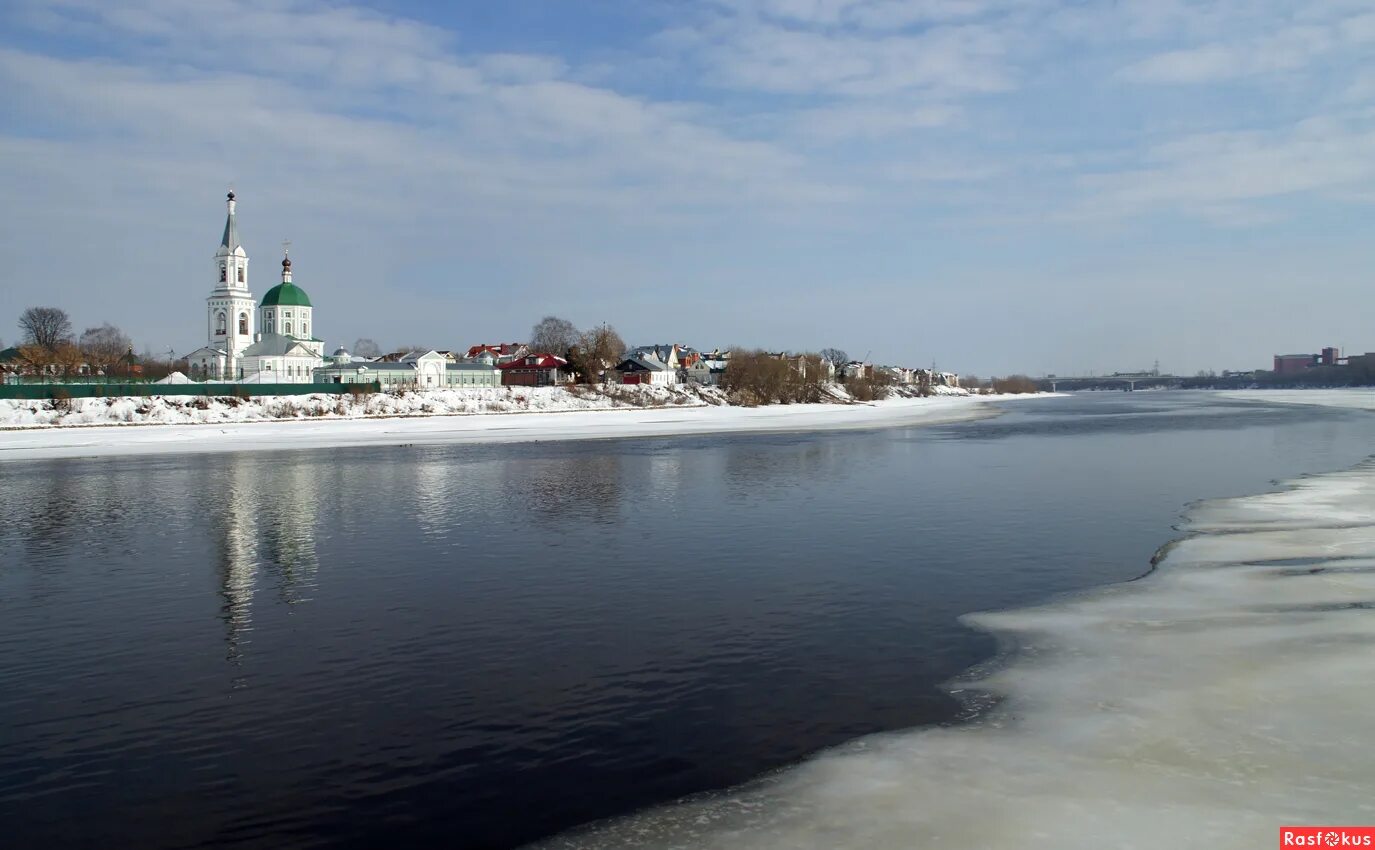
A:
(1215, 175)
(752, 55)
(870, 14)
(1294, 48)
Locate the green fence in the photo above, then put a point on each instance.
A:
(48, 391)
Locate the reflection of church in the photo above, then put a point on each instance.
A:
(254, 538)
(284, 352)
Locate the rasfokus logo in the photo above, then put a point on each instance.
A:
(1327, 836)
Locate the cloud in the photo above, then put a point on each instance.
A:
(1294, 48)
(868, 14)
(1215, 175)
(775, 145)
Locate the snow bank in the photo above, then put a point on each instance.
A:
(414, 419)
(1204, 706)
(186, 410)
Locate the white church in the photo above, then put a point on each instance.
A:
(283, 352)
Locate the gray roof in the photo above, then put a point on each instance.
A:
(370, 366)
(210, 348)
(274, 345)
(660, 351)
(647, 363)
(472, 366)
(230, 239)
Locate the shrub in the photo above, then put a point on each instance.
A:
(1015, 384)
(760, 377)
(61, 400)
(872, 387)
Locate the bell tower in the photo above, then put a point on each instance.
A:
(230, 313)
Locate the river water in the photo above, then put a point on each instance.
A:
(479, 647)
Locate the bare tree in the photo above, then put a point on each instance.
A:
(761, 377)
(105, 346)
(46, 327)
(837, 356)
(597, 350)
(553, 335)
(366, 348)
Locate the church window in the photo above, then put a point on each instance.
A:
(305, 329)
(223, 274)
(240, 274)
(243, 324)
(286, 328)
(219, 323)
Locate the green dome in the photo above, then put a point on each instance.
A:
(285, 295)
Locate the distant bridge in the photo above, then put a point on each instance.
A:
(1123, 381)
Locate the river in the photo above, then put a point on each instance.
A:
(482, 646)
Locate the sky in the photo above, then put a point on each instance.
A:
(991, 186)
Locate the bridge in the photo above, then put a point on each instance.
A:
(1126, 381)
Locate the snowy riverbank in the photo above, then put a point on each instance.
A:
(194, 410)
(419, 418)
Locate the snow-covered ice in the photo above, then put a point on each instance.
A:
(1203, 706)
(189, 424)
(1356, 398)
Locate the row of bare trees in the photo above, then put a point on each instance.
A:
(48, 343)
(755, 377)
(1012, 384)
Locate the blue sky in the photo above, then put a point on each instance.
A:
(989, 185)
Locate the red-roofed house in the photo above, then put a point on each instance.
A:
(499, 352)
(535, 370)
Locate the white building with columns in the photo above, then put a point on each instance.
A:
(271, 342)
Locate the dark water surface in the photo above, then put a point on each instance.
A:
(479, 646)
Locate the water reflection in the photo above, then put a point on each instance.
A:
(233, 541)
(565, 488)
(261, 519)
(289, 511)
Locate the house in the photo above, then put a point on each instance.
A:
(700, 372)
(501, 352)
(535, 370)
(855, 370)
(12, 363)
(800, 364)
(415, 370)
(901, 375)
(472, 375)
(668, 354)
(704, 369)
(646, 369)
